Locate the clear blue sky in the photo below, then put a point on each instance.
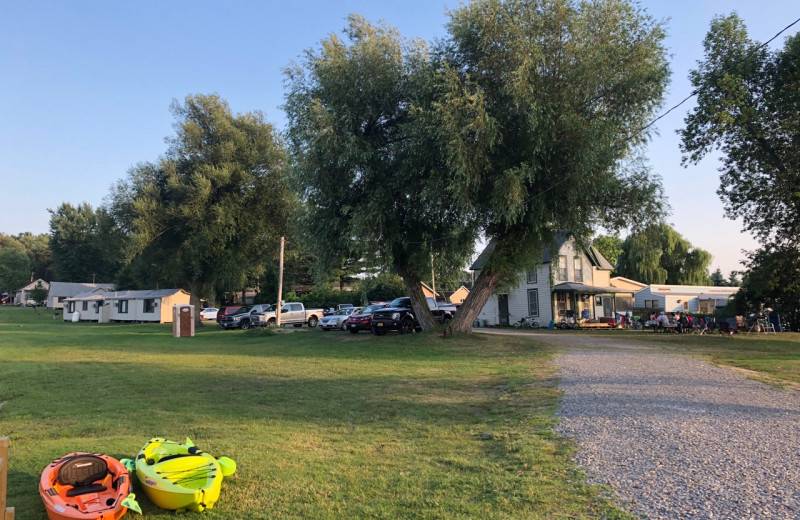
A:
(85, 89)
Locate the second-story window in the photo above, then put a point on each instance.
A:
(532, 277)
(578, 265)
(562, 267)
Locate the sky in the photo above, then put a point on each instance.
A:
(85, 89)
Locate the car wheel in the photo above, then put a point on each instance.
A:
(344, 326)
(378, 332)
(406, 327)
(312, 321)
(244, 325)
(271, 322)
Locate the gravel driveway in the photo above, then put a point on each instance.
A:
(676, 437)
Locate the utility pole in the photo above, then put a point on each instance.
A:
(280, 286)
(433, 279)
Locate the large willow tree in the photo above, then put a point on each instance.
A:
(367, 166)
(541, 114)
(211, 211)
(660, 255)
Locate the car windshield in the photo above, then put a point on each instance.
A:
(246, 308)
(372, 308)
(343, 312)
(400, 302)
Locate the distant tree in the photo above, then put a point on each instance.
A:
(772, 281)
(542, 108)
(718, 279)
(610, 246)
(748, 100)
(210, 213)
(38, 293)
(381, 288)
(37, 247)
(15, 269)
(660, 255)
(10, 241)
(82, 243)
(367, 167)
(733, 279)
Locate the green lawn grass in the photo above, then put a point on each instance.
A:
(322, 425)
(776, 357)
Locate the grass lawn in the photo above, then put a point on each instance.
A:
(321, 424)
(776, 357)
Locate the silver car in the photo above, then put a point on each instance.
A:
(335, 321)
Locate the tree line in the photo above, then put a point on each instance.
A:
(526, 121)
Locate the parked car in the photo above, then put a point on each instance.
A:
(209, 314)
(225, 311)
(296, 314)
(242, 319)
(360, 320)
(337, 319)
(399, 316)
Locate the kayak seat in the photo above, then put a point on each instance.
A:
(80, 472)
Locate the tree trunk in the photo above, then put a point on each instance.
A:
(483, 288)
(418, 302)
(194, 299)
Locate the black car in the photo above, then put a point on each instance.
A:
(240, 319)
(399, 316)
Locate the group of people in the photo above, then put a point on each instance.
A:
(681, 321)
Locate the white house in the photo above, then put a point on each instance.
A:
(564, 285)
(684, 298)
(60, 291)
(22, 296)
(132, 306)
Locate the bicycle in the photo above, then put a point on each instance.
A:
(526, 323)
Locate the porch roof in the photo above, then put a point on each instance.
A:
(588, 289)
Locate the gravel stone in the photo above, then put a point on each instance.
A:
(678, 438)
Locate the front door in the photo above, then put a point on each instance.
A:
(502, 308)
(608, 306)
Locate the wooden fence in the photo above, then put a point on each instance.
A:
(6, 513)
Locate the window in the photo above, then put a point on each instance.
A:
(71, 307)
(578, 269)
(561, 303)
(651, 304)
(98, 306)
(562, 267)
(86, 306)
(532, 276)
(122, 306)
(533, 302)
(624, 303)
(149, 305)
(686, 305)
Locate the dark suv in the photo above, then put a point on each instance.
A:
(399, 316)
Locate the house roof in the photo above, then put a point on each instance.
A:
(125, 295)
(628, 280)
(587, 289)
(32, 285)
(595, 257)
(72, 289)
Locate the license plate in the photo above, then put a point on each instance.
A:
(380, 324)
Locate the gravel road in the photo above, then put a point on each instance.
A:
(676, 437)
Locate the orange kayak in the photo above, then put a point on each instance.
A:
(85, 485)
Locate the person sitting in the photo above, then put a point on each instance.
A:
(662, 321)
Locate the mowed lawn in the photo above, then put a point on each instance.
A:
(321, 424)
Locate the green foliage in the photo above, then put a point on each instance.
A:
(748, 98)
(209, 213)
(85, 243)
(733, 279)
(717, 278)
(381, 288)
(660, 255)
(37, 247)
(368, 164)
(610, 246)
(772, 281)
(324, 297)
(39, 294)
(15, 269)
(541, 115)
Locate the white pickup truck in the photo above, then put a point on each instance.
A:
(292, 314)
